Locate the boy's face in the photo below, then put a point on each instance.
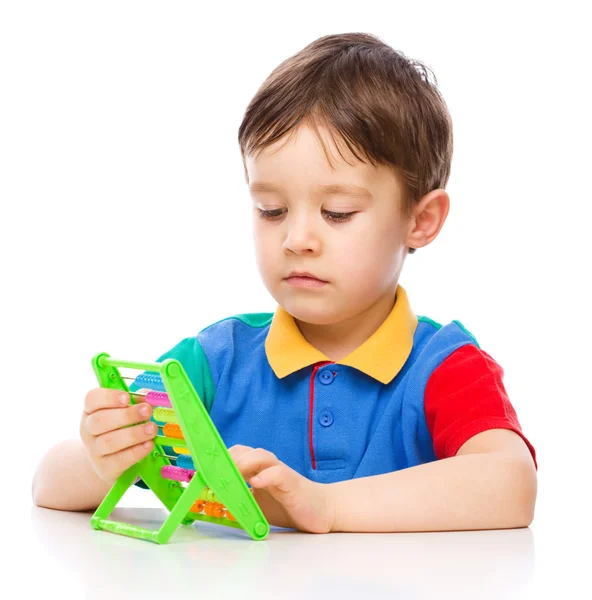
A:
(359, 256)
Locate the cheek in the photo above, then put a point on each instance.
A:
(368, 257)
(265, 250)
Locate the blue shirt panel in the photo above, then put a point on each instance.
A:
(360, 426)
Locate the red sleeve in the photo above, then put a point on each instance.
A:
(464, 396)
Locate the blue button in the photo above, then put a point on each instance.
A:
(326, 377)
(326, 418)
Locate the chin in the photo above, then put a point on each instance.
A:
(308, 311)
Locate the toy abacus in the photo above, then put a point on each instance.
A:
(203, 483)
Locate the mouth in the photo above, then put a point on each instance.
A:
(304, 275)
(304, 280)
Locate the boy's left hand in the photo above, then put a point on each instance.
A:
(286, 498)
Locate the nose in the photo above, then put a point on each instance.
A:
(301, 237)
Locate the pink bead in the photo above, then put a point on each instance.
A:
(176, 473)
(158, 399)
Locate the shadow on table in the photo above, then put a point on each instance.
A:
(210, 559)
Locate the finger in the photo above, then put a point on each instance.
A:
(121, 461)
(238, 450)
(258, 459)
(105, 398)
(120, 439)
(108, 419)
(279, 476)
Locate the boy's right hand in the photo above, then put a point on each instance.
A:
(112, 445)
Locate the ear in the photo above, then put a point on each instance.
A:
(427, 219)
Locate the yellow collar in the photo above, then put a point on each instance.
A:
(381, 356)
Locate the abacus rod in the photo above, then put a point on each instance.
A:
(107, 361)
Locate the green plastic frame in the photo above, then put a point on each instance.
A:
(214, 468)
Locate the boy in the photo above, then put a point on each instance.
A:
(343, 410)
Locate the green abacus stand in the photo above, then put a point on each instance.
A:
(214, 468)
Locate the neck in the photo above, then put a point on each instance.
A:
(338, 340)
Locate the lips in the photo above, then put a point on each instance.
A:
(303, 274)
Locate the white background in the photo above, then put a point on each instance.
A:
(125, 219)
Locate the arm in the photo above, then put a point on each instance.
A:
(491, 483)
(65, 479)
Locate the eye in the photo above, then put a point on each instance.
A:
(270, 215)
(274, 214)
(339, 217)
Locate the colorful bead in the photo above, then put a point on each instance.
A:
(198, 506)
(173, 430)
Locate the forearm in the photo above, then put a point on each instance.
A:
(471, 491)
(66, 480)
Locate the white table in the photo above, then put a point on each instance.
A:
(60, 552)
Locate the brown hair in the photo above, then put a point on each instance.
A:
(379, 102)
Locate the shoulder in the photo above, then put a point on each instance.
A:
(467, 363)
(236, 329)
(433, 343)
(455, 356)
(466, 394)
(205, 354)
(220, 337)
(253, 321)
(435, 332)
(234, 338)
(223, 336)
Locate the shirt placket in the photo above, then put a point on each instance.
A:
(311, 409)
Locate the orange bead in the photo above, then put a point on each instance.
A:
(173, 430)
(209, 509)
(218, 510)
(198, 506)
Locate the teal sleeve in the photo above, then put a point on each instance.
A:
(191, 355)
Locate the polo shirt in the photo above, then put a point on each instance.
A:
(414, 392)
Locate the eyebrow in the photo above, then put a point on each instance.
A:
(347, 189)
